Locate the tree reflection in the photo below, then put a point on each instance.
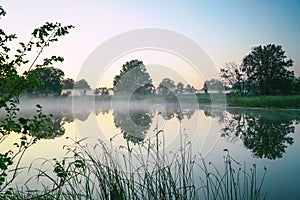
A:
(58, 129)
(134, 125)
(265, 133)
(49, 129)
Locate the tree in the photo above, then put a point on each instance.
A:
(12, 84)
(205, 88)
(147, 89)
(82, 84)
(296, 85)
(213, 85)
(232, 76)
(102, 91)
(166, 86)
(133, 75)
(50, 79)
(266, 68)
(68, 83)
(190, 89)
(179, 88)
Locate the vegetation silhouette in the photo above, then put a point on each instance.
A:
(133, 77)
(266, 134)
(133, 125)
(49, 81)
(12, 84)
(264, 71)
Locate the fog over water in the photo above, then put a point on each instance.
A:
(266, 137)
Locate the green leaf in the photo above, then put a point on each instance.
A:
(22, 120)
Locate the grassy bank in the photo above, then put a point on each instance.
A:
(287, 102)
(265, 101)
(144, 172)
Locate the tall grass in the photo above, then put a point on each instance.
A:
(265, 101)
(142, 172)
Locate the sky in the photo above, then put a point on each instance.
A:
(225, 30)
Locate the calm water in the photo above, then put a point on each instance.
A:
(268, 138)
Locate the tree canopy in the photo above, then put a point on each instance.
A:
(266, 68)
(51, 81)
(68, 83)
(233, 77)
(133, 76)
(264, 71)
(213, 85)
(166, 86)
(82, 84)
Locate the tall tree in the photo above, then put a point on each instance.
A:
(133, 75)
(267, 70)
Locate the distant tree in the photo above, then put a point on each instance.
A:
(213, 85)
(82, 84)
(102, 91)
(190, 89)
(147, 89)
(232, 76)
(296, 85)
(50, 79)
(267, 71)
(68, 83)
(205, 88)
(179, 88)
(166, 86)
(133, 75)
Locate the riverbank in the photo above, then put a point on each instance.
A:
(205, 100)
(286, 102)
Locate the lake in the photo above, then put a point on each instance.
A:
(266, 137)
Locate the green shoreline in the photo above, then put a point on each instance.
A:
(276, 102)
(286, 102)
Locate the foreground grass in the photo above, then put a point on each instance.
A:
(144, 172)
(265, 101)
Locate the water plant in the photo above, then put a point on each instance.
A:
(145, 171)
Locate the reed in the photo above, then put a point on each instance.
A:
(265, 101)
(146, 171)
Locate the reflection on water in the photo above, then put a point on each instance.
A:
(134, 126)
(259, 136)
(136, 122)
(266, 133)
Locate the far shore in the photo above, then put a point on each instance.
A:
(203, 100)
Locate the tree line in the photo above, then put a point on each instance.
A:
(136, 81)
(47, 81)
(264, 71)
(133, 78)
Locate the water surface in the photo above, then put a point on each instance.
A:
(269, 138)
